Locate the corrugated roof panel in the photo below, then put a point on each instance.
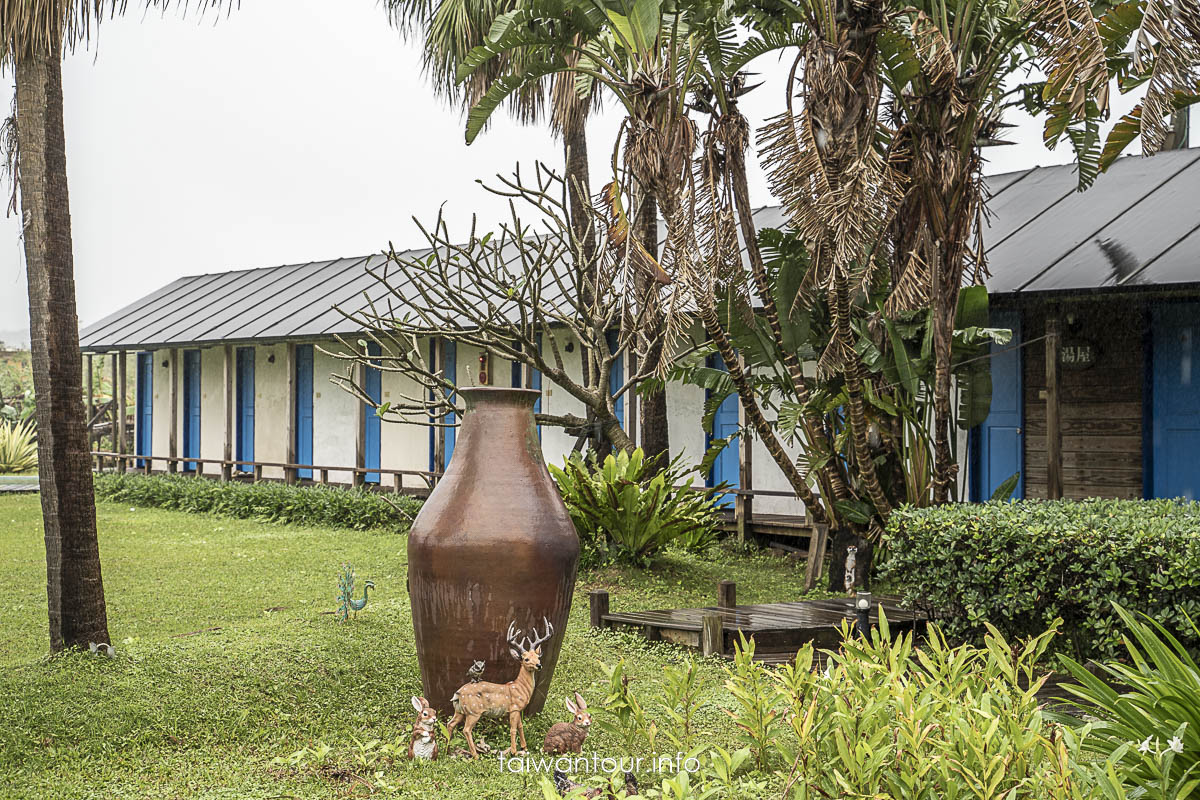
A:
(1137, 236)
(1179, 264)
(189, 325)
(256, 289)
(1128, 184)
(98, 331)
(134, 328)
(291, 306)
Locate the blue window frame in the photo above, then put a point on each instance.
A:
(727, 467)
(616, 377)
(997, 444)
(143, 439)
(191, 407)
(1175, 401)
(245, 408)
(373, 385)
(304, 408)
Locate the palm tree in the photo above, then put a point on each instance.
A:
(34, 35)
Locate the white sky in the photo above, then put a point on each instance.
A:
(285, 132)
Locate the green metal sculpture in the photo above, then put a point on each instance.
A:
(345, 596)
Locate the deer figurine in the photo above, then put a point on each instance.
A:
(481, 698)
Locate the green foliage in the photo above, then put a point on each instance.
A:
(623, 716)
(887, 720)
(358, 509)
(18, 447)
(755, 709)
(622, 512)
(1151, 729)
(1021, 565)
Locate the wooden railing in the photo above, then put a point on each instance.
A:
(234, 469)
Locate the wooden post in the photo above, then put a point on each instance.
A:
(228, 407)
(289, 472)
(257, 473)
(112, 409)
(598, 605)
(90, 408)
(119, 391)
(727, 594)
(816, 555)
(173, 436)
(1054, 477)
(397, 482)
(744, 504)
(711, 634)
(360, 441)
(325, 477)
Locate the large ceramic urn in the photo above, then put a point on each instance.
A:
(492, 547)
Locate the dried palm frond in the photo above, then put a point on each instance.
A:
(1168, 49)
(1072, 50)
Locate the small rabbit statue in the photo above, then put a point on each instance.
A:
(423, 744)
(567, 737)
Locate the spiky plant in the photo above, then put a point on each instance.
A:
(18, 447)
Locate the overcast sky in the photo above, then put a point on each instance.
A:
(289, 131)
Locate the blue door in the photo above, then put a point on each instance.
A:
(245, 407)
(616, 378)
(144, 430)
(373, 384)
(191, 408)
(726, 469)
(535, 382)
(304, 408)
(1175, 402)
(999, 442)
(450, 370)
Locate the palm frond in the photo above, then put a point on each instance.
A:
(1072, 51)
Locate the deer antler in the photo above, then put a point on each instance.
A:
(512, 635)
(549, 633)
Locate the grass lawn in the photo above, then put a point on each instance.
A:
(228, 660)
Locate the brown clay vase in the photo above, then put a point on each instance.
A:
(492, 545)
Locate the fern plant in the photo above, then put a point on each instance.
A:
(620, 511)
(18, 447)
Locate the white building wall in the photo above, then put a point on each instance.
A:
(685, 411)
(212, 406)
(271, 407)
(402, 445)
(335, 415)
(556, 442)
(161, 414)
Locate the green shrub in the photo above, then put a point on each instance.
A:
(1022, 565)
(358, 509)
(1152, 728)
(18, 447)
(622, 512)
(885, 720)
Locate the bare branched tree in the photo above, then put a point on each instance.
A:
(526, 293)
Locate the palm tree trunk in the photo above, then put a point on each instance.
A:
(73, 581)
(656, 441)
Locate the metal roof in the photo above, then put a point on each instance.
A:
(1139, 225)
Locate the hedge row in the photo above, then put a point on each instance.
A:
(358, 509)
(1020, 565)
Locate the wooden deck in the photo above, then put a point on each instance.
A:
(778, 629)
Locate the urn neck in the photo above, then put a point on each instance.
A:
(498, 424)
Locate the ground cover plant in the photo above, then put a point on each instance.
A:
(1022, 565)
(228, 657)
(266, 501)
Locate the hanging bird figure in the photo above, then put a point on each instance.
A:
(345, 596)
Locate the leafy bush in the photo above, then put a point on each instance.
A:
(358, 509)
(1152, 728)
(621, 511)
(885, 720)
(1022, 565)
(18, 447)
